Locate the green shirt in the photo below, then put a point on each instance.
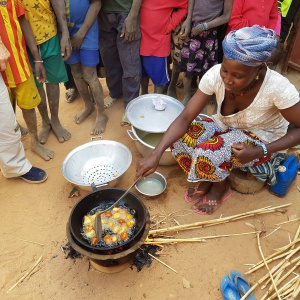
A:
(116, 6)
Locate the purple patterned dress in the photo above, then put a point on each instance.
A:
(199, 53)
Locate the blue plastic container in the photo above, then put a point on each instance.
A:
(286, 174)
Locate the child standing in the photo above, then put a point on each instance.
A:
(42, 20)
(200, 50)
(18, 75)
(158, 19)
(83, 27)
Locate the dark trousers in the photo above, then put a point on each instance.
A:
(121, 61)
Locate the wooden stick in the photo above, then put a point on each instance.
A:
(30, 242)
(162, 262)
(272, 232)
(26, 274)
(285, 287)
(196, 239)
(264, 210)
(286, 222)
(263, 257)
(296, 236)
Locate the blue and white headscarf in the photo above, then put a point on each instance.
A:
(250, 46)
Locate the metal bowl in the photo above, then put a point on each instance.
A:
(142, 114)
(145, 185)
(100, 162)
(146, 149)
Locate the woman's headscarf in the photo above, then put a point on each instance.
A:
(250, 46)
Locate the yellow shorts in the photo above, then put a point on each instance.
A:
(26, 94)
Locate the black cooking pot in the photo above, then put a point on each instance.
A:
(104, 198)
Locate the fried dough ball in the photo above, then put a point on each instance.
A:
(129, 217)
(103, 221)
(116, 209)
(90, 234)
(117, 216)
(116, 229)
(130, 224)
(108, 214)
(93, 217)
(123, 229)
(94, 241)
(87, 220)
(111, 224)
(88, 227)
(107, 239)
(124, 236)
(114, 238)
(121, 221)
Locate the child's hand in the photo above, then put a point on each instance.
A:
(4, 56)
(196, 31)
(40, 72)
(65, 47)
(76, 40)
(185, 29)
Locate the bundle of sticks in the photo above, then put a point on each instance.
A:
(158, 236)
(282, 279)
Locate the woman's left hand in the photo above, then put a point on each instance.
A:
(245, 153)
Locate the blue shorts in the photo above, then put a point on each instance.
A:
(88, 58)
(156, 68)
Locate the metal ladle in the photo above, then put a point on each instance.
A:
(98, 223)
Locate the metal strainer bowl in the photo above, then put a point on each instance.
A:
(99, 162)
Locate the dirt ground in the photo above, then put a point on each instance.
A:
(39, 213)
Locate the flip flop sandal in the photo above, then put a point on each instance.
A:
(229, 290)
(241, 283)
(211, 203)
(71, 95)
(109, 101)
(125, 122)
(201, 194)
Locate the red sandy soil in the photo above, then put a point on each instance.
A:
(39, 213)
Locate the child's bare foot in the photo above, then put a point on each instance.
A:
(42, 151)
(44, 134)
(61, 133)
(79, 118)
(217, 194)
(23, 130)
(100, 123)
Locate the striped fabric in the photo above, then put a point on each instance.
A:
(18, 69)
(266, 172)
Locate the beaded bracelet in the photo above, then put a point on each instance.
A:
(38, 61)
(202, 26)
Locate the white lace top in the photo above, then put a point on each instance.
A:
(262, 116)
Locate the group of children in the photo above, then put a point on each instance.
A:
(135, 39)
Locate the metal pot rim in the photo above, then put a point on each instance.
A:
(141, 141)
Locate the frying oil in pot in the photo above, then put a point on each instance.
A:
(152, 139)
(150, 186)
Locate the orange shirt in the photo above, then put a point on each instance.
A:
(18, 69)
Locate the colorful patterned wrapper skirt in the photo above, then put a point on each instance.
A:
(205, 154)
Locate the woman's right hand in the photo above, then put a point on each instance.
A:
(147, 166)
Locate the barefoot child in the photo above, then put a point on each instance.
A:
(18, 75)
(83, 28)
(200, 50)
(46, 37)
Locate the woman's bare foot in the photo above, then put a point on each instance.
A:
(219, 192)
(42, 151)
(44, 134)
(79, 118)
(196, 193)
(61, 133)
(100, 123)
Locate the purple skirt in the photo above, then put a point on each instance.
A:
(199, 53)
